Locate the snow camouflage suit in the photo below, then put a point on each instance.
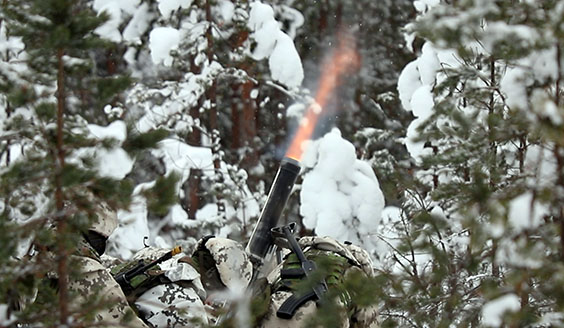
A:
(347, 258)
(95, 282)
(182, 295)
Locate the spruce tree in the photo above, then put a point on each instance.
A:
(211, 97)
(365, 106)
(51, 175)
(481, 232)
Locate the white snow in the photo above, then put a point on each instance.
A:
(177, 157)
(254, 93)
(110, 29)
(552, 111)
(540, 164)
(296, 111)
(167, 7)
(284, 61)
(126, 5)
(120, 11)
(408, 81)
(422, 102)
(294, 17)
(266, 40)
(260, 14)
(208, 213)
(138, 24)
(180, 157)
(133, 226)
(519, 253)
(178, 216)
(10, 44)
(428, 64)
(514, 86)
(184, 95)
(388, 237)
(226, 12)
(495, 32)
(493, 311)
(551, 319)
(340, 196)
(422, 105)
(424, 5)
(526, 214)
(162, 40)
(116, 130)
(5, 314)
(114, 162)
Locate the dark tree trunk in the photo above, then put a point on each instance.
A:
(61, 225)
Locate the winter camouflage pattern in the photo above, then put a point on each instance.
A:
(184, 302)
(232, 262)
(359, 261)
(95, 286)
(107, 221)
(353, 253)
(179, 303)
(172, 305)
(362, 257)
(96, 283)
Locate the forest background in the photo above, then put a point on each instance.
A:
(441, 153)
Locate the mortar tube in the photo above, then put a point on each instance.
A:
(261, 241)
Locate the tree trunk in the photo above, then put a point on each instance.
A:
(249, 122)
(61, 224)
(211, 93)
(323, 17)
(191, 188)
(558, 151)
(235, 118)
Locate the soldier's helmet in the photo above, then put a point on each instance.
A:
(106, 221)
(102, 226)
(223, 263)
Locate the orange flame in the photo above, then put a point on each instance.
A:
(344, 59)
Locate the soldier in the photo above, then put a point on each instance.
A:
(189, 291)
(93, 287)
(95, 281)
(340, 260)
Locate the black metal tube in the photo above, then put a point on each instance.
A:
(261, 240)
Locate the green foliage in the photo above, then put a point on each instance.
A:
(50, 188)
(163, 194)
(481, 220)
(118, 192)
(140, 141)
(110, 86)
(45, 111)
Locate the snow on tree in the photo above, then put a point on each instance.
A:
(340, 195)
(482, 221)
(272, 43)
(188, 56)
(55, 154)
(366, 106)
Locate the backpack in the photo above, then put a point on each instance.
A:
(334, 260)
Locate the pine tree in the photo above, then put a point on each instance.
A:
(482, 225)
(51, 176)
(210, 96)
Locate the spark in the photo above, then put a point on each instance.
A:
(344, 59)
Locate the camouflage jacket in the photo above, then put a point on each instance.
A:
(178, 300)
(343, 259)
